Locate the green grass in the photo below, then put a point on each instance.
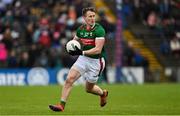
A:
(150, 99)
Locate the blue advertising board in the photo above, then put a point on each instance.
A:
(45, 76)
(33, 76)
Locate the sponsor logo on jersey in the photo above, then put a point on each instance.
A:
(86, 41)
(86, 34)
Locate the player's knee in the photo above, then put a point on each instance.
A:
(88, 90)
(89, 87)
(69, 81)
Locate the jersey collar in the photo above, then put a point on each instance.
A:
(92, 27)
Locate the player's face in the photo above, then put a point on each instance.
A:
(90, 17)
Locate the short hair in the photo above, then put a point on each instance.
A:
(85, 10)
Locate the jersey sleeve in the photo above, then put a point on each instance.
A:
(100, 32)
(77, 32)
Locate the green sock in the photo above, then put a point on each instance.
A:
(63, 103)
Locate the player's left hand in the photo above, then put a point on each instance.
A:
(76, 52)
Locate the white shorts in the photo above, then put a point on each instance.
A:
(89, 68)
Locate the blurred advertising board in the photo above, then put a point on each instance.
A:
(131, 75)
(45, 76)
(34, 76)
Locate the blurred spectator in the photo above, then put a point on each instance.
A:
(53, 58)
(168, 27)
(79, 6)
(140, 60)
(3, 54)
(45, 39)
(12, 60)
(32, 30)
(7, 39)
(162, 19)
(152, 20)
(34, 53)
(29, 33)
(175, 46)
(165, 47)
(24, 60)
(108, 26)
(165, 7)
(43, 59)
(7, 1)
(128, 54)
(133, 57)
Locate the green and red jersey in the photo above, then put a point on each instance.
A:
(88, 37)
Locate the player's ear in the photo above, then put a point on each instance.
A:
(84, 17)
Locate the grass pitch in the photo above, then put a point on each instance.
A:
(148, 99)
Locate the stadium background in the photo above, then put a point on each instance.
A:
(142, 44)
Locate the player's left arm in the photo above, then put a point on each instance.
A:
(99, 43)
